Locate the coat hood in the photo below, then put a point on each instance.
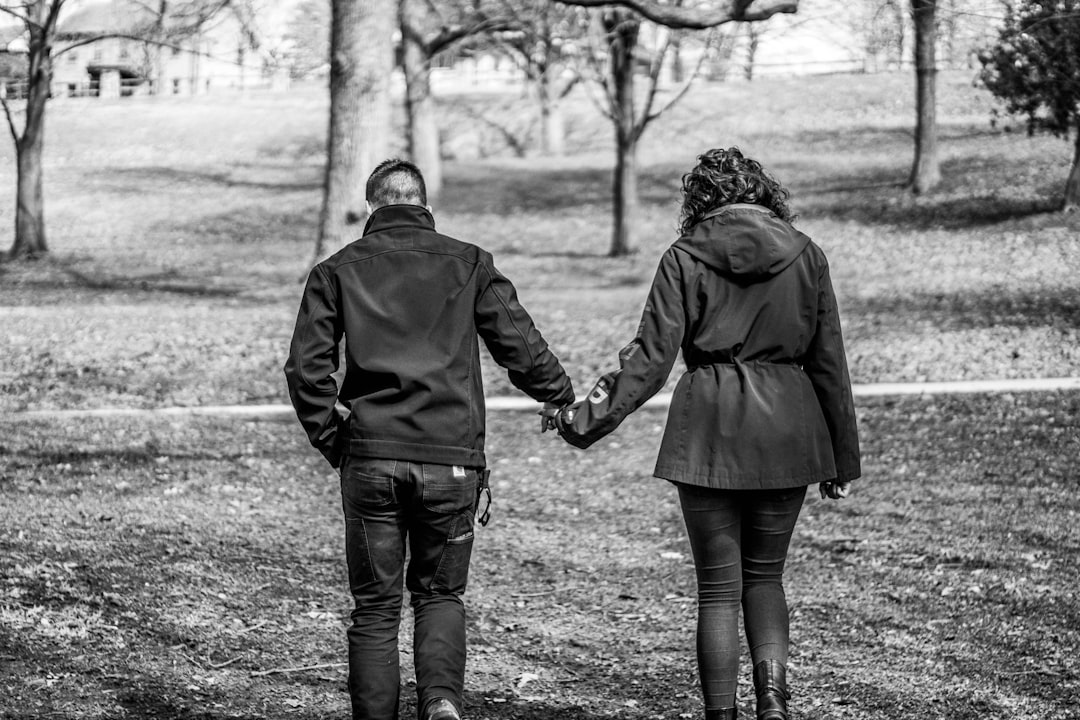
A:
(746, 242)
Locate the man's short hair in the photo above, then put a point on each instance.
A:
(396, 182)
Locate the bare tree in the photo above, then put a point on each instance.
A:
(621, 27)
(40, 18)
(160, 23)
(926, 168)
(361, 62)
(427, 29)
(755, 35)
(543, 44)
(615, 60)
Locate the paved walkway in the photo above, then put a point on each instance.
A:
(522, 403)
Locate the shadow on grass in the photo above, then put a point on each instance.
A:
(170, 282)
(880, 195)
(973, 310)
(54, 274)
(507, 189)
(138, 178)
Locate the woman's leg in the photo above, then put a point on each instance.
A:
(768, 522)
(713, 526)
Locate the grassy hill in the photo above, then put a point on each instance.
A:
(180, 229)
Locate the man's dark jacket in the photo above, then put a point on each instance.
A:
(410, 304)
(766, 400)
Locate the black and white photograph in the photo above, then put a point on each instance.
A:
(539, 360)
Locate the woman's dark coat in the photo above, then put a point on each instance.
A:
(766, 399)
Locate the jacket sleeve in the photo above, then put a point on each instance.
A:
(826, 365)
(514, 342)
(313, 358)
(644, 364)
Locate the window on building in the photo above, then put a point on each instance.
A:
(98, 54)
(72, 57)
(124, 52)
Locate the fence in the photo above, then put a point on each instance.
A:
(130, 87)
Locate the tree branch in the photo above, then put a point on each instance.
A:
(686, 86)
(450, 34)
(655, 66)
(683, 18)
(124, 36)
(25, 19)
(10, 119)
(599, 77)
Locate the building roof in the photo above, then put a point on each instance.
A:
(115, 16)
(130, 18)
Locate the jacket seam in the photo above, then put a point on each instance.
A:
(510, 317)
(309, 331)
(388, 251)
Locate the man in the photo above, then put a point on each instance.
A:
(409, 304)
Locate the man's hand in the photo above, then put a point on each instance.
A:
(549, 417)
(834, 489)
(554, 417)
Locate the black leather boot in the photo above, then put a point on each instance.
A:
(770, 684)
(726, 714)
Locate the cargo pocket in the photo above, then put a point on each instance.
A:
(452, 574)
(358, 554)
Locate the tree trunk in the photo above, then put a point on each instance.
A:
(753, 38)
(926, 171)
(552, 130)
(901, 39)
(678, 67)
(625, 197)
(361, 62)
(1072, 185)
(29, 152)
(423, 133)
(623, 28)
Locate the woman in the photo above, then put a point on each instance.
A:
(763, 410)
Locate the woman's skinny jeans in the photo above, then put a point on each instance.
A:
(739, 539)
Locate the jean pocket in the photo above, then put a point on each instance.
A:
(368, 481)
(449, 489)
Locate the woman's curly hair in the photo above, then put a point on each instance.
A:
(725, 177)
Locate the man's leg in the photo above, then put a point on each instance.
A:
(375, 550)
(441, 540)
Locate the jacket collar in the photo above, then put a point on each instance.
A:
(394, 216)
(736, 206)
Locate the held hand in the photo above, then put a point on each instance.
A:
(834, 489)
(549, 417)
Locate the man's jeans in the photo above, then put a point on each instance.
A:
(385, 502)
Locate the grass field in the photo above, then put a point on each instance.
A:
(164, 567)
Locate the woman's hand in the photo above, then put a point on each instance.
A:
(834, 489)
(553, 417)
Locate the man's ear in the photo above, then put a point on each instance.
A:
(369, 208)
